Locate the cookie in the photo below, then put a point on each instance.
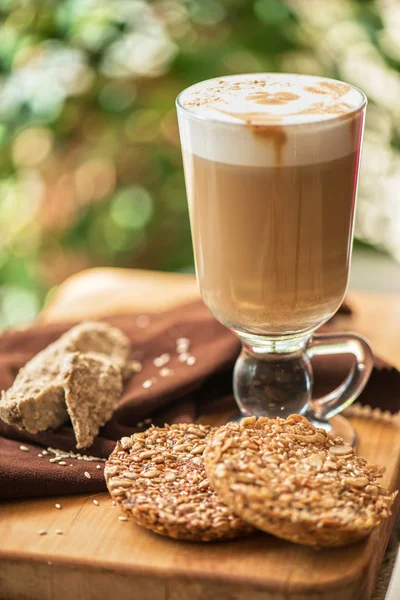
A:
(296, 481)
(157, 478)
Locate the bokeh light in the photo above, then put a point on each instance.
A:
(91, 170)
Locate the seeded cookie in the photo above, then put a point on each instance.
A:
(158, 480)
(289, 478)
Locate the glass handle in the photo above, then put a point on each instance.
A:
(353, 385)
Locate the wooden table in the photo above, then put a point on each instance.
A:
(101, 557)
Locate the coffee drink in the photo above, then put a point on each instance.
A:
(271, 165)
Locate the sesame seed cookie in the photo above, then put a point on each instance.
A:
(157, 478)
(296, 481)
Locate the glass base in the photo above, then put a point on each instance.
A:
(273, 377)
(338, 426)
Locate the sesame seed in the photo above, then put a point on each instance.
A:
(165, 372)
(24, 449)
(182, 345)
(86, 474)
(40, 455)
(162, 360)
(96, 502)
(136, 366)
(147, 384)
(42, 532)
(59, 532)
(98, 466)
(190, 361)
(44, 452)
(62, 463)
(183, 357)
(60, 455)
(142, 321)
(52, 460)
(182, 349)
(122, 518)
(58, 506)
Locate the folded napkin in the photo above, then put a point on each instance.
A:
(179, 394)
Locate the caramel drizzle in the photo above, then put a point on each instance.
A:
(280, 98)
(334, 90)
(259, 125)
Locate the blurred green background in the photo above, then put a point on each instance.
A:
(90, 164)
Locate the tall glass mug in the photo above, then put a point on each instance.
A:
(271, 166)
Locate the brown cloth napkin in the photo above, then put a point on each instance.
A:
(183, 395)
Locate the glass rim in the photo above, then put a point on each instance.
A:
(328, 119)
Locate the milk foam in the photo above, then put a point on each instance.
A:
(271, 119)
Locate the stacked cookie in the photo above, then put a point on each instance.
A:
(158, 479)
(283, 476)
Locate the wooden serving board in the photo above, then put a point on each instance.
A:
(100, 557)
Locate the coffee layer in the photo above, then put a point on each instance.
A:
(272, 246)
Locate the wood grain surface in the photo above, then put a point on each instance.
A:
(99, 556)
